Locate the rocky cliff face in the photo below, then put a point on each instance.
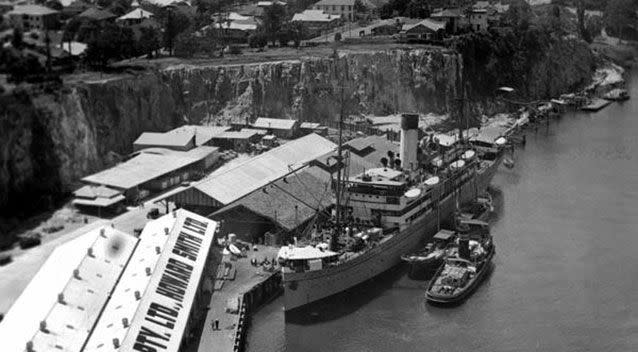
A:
(49, 140)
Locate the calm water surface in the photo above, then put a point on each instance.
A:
(566, 271)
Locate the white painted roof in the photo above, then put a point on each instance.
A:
(278, 124)
(123, 303)
(31, 10)
(69, 323)
(164, 139)
(136, 14)
(192, 267)
(314, 16)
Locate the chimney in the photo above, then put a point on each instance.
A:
(116, 343)
(138, 296)
(43, 326)
(61, 298)
(409, 140)
(166, 230)
(30, 346)
(148, 271)
(158, 250)
(76, 274)
(125, 322)
(102, 232)
(89, 252)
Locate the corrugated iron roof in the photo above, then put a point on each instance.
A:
(180, 139)
(276, 124)
(69, 323)
(147, 166)
(291, 201)
(256, 172)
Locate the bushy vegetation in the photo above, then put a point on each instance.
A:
(507, 55)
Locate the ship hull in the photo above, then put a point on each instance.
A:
(307, 287)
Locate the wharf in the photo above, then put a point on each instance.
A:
(250, 287)
(596, 104)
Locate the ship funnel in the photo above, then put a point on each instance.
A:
(409, 140)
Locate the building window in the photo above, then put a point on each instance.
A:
(343, 8)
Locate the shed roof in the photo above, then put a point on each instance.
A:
(69, 323)
(93, 192)
(185, 266)
(310, 125)
(258, 171)
(243, 134)
(123, 303)
(290, 201)
(165, 139)
(275, 124)
(147, 166)
(203, 134)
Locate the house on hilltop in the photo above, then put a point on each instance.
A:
(343, 8)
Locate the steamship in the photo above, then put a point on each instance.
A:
(386, 212)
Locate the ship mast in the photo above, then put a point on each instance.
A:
(338, 188)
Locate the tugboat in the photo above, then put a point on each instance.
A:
(430, 258)
(461, 274)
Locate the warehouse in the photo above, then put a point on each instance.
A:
(98, 291)
(238, 141)
(282, 128)
(223, 188)
(59, 307)
(288, 206)
(149, 171)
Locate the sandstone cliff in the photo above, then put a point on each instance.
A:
(49, 140)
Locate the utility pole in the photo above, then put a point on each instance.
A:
(47, 40)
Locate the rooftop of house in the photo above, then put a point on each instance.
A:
(428, 23)
(31, 10)
(136, 14)
(96, 14)
(335, 2)
(314, 16)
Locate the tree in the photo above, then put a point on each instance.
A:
(360, 7)
(274, 17)
(519, 15)
(417, 9)
(257, 40)
(16, 39)
(186, 45)
(618, 15)
(176, 23)
(582, 26)
(109, 42)
(384, 161)
(149, 41)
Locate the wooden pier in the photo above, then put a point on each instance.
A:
(240, 288)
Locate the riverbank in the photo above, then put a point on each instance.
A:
(565, 229)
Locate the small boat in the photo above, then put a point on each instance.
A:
(462, 272)
(430, 258)
(617, 94)
(477, 210)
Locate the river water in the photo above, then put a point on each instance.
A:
(565, 275)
